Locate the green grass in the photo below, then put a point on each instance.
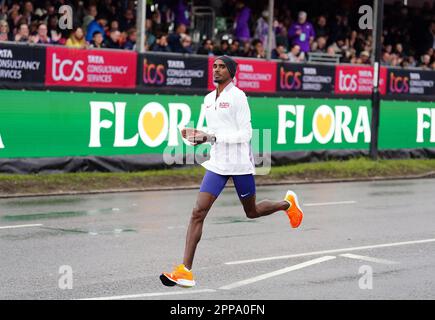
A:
(355, 168)
(83, 182)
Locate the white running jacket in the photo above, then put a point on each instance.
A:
(229, 119)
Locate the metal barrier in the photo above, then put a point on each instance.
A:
(203, 19)
(320, 57)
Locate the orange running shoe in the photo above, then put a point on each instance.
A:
(180, 276)
(294, 212)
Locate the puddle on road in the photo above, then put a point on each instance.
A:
(44, 232)
(35, 202)
(56, 215)
(389, 193)
(92, 232)
(393, 183)
(227, 220)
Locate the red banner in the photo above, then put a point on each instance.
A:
(251, 75)
(358, 80)
(90, 68)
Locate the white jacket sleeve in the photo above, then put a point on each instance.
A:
(202, 127)
(243, 119)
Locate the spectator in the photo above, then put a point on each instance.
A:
(206, 48)
(23, 33)
(181, 13)
(5, 35)
(234, 48)
(157, 24)
(353, 39)
(295, 54)
(130, 44)
(429, 37)
(331, 51)
(127, 21)
(161, 44)
(385, 59)
(43, 34)
(246, 49)
(77, 39)
(97, 41)
(319, 45)
(364, 57)
(398, 50)
(223, 49)
(91, 15)
(320, 28)
(79, 13)
(150, 37)
(282, 36)
(52, 25)
(107, 9)
(28, 13)
(114, 26)
(258, 49)
(241, 25)
(347, 55)
(425, 62)
(3, 11)
(262, 29)
(411, 62)
(96, 25)
(340, 28)
(340, 46)
(302, 32)
(186, 43)
(389, 48)
(113, 42)
(174, 39)
(279, 53)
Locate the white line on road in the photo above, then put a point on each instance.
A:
(365, 258)
(328, 203)
(276, 273)
(394, 244)
(21, 226)
(152, 294)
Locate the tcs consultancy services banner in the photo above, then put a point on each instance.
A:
(56, 124)
(90, 68)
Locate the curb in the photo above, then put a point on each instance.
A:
(427, 175)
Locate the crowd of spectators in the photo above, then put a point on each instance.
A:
(408, 39)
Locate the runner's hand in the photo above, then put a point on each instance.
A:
(194, 136)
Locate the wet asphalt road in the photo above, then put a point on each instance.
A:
(116, 245)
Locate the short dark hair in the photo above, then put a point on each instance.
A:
(20, 24)
(131, 31)
(160, 35)
(101, 16)
(256, 41)
(96, 32)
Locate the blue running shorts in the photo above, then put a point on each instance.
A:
(214, 183)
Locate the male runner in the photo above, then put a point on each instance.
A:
(229, 131)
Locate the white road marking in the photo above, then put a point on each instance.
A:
(328, 203)
(365, 258)
(276, 273)
(152, 294)
(385, 245)
(21, 226)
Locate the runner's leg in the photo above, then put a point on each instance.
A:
(245, 186)
(211, 187)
